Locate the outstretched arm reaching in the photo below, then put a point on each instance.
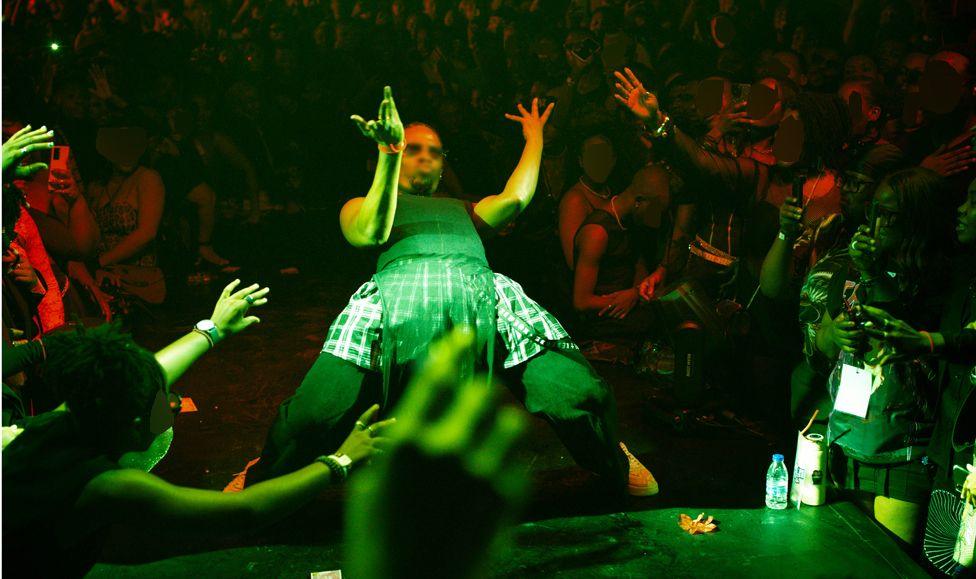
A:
(742, 175)
(367, 221)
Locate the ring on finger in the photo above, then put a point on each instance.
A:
(249, 300)
(361, 425)
(369, 429)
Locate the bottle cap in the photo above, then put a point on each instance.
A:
(778, 457)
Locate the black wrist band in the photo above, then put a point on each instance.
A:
(338, 471)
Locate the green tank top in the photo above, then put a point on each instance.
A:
(432, 226)
(433, 276)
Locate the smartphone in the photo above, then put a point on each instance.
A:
(875, 221)
(59, 174)
(854, 313)
(59, 159)
(799, 178)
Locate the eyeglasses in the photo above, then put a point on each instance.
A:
(414, 149)
(854, 183)
(884, 216)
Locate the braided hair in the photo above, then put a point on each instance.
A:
(826, 127)
(106, 379)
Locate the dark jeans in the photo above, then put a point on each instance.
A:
(558, 386)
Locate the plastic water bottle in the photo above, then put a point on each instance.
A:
(777, 483)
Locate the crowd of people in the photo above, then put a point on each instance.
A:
(791, 184)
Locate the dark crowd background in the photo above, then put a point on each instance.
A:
(253, 98)
(209, 136)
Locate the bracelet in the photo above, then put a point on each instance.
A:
(338, 471)
(782, 236)
(931, 341)
(207, 336)
(393, 149)
(662, 130)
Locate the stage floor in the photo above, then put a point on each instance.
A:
(831, 541)
(568, 530)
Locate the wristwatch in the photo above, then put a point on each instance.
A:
(209, 331)
(339, 464)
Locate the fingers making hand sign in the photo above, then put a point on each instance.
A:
(532, 122)
(386, 129)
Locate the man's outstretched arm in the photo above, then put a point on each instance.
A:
(499, 210)
(367, 221)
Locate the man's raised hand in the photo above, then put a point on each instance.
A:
(532, 122)
(631, 93)
(21, 144)
(387, 129)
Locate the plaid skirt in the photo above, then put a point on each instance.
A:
(525, 327)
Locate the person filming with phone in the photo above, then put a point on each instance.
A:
(885, 408)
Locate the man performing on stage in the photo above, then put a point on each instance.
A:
(431, 275)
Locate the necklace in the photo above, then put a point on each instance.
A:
(613, 208)
(814, 192)
(603, 196)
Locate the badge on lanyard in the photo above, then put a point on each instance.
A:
(854, 393)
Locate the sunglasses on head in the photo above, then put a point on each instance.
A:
(414, 149)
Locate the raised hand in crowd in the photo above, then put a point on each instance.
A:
(448, 477)
(102, 89)
(21, 144)
(730, 120)
(531, 120)
(230, 317)
(386, 129)
(230, 312)
(631, 93)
